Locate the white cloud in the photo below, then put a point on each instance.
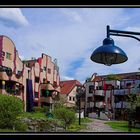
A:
(72, 41)
(72, 15)
(21, 57)
(67, 78)
(12, 17)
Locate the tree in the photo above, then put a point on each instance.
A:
(88, 79)
(113, 77)
(133, 102)
(10, 108)
(66, 115)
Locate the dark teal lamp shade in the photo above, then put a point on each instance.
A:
(108, 53)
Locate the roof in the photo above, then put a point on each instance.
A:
(97, 78)
(130, 75)
(67, 86)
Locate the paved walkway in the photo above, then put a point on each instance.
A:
(98, 126)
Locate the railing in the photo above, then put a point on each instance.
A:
(121, 104)
(99, 104)
(126, 91)
(91, 104)
(99, 92)
(119, 92)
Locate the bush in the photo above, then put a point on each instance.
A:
(66, 115)
(10, 108)
(20, 126)
(44, 109)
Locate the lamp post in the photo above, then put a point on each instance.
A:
(109, 54)
(80, 92)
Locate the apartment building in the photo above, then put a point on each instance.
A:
(36, 82)
(110, 95)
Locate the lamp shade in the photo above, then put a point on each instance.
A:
(108, 53)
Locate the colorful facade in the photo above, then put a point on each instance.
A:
(110, 95)
(35, 81)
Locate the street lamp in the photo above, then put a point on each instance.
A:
(108, 53)
(80, 92)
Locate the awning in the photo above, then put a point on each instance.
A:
(47, 86)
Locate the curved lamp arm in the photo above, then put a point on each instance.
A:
(125, 36)
(122, 33)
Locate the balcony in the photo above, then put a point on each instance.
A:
(99, 104)
(121, 104)
(99, 92)
(46, 99)
(126, 91)
(119, 92)
(91, 104)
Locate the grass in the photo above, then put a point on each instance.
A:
(75, 127)
(86, 120)
(34, 115)
(7, 130)
(122, 126)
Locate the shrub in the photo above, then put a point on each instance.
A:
(66, 115)
(44, 109)
(10, 108)
(20, 126)
(37, 109)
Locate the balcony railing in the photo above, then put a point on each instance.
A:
(126, 91)
(99, 104)
(99, 92)
(121, 104)
(119, 92)
(91, 104)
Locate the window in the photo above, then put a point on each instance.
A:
(128, 85)
(36, 94)
(73, 99)
(91, 89)
(45, 93)
(36, 79)
(49, 70)
(100, 87)
(44, 68)
(8, 55)
(69, 98)
(44, 80)
(2, 55)
(89, 99)
(19, 72)
(27, 64)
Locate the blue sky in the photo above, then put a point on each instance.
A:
(71, 35)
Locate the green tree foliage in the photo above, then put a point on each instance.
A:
(132, 100)
(44, 109)
(113, 77)
(88, 79)
(66, 115)
(10, 108)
